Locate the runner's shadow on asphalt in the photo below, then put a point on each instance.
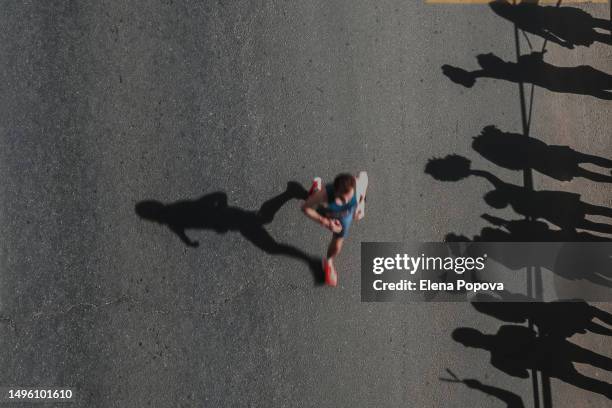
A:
(212, 212)
(532, 69)
(565, 26)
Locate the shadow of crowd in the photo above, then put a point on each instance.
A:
(534, 336)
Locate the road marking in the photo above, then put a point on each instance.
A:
(489, 1)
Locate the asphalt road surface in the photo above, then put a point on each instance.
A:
(107, 104)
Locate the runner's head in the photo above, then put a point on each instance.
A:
(344, 186)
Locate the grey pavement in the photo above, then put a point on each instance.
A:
(106, 104)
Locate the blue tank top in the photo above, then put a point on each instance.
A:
(338, 210)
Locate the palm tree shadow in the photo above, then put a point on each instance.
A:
(212, 212)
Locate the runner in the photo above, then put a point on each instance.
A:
(335, 207)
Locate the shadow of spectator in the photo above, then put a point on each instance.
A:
(516, 349)
(531, 68)
(511, 399)
(525, 231)
(560, 318)
(561, 208)
(517, 152)
(212, 212)
(566, 26)
(573, 262)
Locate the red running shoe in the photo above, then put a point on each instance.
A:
(316, 186)
(331, 277)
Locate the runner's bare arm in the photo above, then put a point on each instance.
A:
(310, 208)
(361, 191)
(362, 185)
